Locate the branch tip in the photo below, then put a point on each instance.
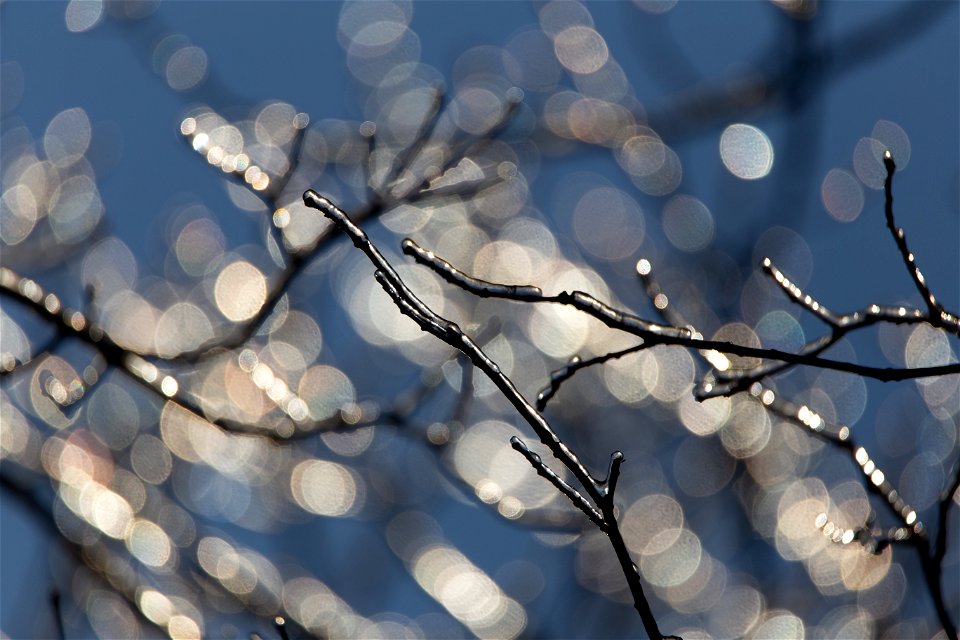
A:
(888, 162)
(613, 474)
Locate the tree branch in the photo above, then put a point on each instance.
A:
(654, 333)
(937, 316)
(450, 333)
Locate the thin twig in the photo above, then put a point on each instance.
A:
(472, 142)
(447, 331)
(275, 190)
(877, 481)
(379, 204)
(938, 317)
(574, 364)
(545, 471)
(280, 624)
(56, 603)
(728, 382)
(652, 332)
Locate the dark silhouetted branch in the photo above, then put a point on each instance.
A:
(937, 316)
(727, 382)
(545, 471)
(561, 375)
(280, 624)
(876, 481)
(654, 333)
(447, 331)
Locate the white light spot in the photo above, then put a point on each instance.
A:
(169, 386)
(240, 291)
(746, 151)
(83, 15)
(186, 68)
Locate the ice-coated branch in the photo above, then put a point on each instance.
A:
(802, 415)
(613, 473)
(877, 481)
(937, 317)
(873, 540)
(450, 333)
(731, 381)
(464, 189)
(727, 382)
(654, 333)
(873, 314)
(280, 624)
(276, 188)
(458, 149)
(574, 364)
(447, 331)
(476, 286)
(796, 295)
(545, 471)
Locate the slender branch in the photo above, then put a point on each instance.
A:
(732, 381)
(872, 540)
(472, 142)
(574, 364)
(294, 158)
(841, 436)
(873, 314)
(938, 317)
(545, 471)
(613, 473)
(280, 624)
(450, 333)
(462, 189)
(796, 295)
(56, 603)
(699, 108)
(379, 204)
(368, 130)
(652, 332)
(815, 424)
(877, 483)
